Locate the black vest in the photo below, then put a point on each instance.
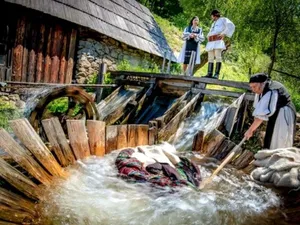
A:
(284, 99)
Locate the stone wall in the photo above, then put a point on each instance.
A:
(93, 49)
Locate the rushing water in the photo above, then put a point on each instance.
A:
(93, 194)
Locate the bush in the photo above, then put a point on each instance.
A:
(7, 112)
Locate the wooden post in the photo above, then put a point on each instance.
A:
(55, 54)
(18, 50)
(198, 141)
(32, 54)
(63, 62)
(96, 134)
(22, 157)
(132, 135)
(169, 63)
(78, 138)
(142, 135)
(47, 66)
(40, 57)
(111, 138)
(70, 58)
(26, 45)
(17, 202)
(152, 136)
(17, 179)
(164, 62)
(100, 78)
(122, 139)
(25, 132)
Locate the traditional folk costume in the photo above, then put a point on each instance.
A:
(216, 45)
(191, 44)
(275, 106)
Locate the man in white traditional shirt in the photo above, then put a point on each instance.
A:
(272, 103)
(220, 28)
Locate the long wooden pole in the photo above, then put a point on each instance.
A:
(234, 151)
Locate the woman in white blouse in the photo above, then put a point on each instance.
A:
(220, 28)
(272, 103)
(192, 35)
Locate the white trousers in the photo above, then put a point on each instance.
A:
(215, 53)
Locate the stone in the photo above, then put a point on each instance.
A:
(20, 104)
(114, 54)
(12, 103)
(81, 80)
(4, 98)
(14, 97)
(107, 62)
(81, 74)
(95, 65)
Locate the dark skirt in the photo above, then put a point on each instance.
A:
(191, 45)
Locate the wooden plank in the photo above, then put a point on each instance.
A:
(62, 141)
(248, 96)
(152, 136)
(55, 54)
(22, 157)
(128, 74)
(26, 45)
(223, 150)
(47, 65)
(17, 179)
(71, 55)
(142, 135)
(243, 160)
(122, 140)
(16, 201)
(2, 222)
(32, 54)
(132, 135)
(52, 137)
(111, 138)
(63, 62)
(96, 134)
(78, 138)
(18, 50)
(15, 216)
(212, 142)
(198, 141)
(166, 132)
(27, 135)
(40, 56)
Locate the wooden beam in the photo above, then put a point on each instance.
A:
(111, 138)
(198, 141)
(78, 138)
(26, 44)
(23, 158)
(132, 135)
(70, 57)
(17, 179)
(128, 74)
(63, 62)
(248, 96)
(55, 54)
(18, 50)
(122, 139)
(47, 65)
(212, 142)
(15, 216)
(16, 201)
(96, 134)
(166, 132)
(152, 136)
(32, 54)
(27, 135)
(142, 135)
(40, 56)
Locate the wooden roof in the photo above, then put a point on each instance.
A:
(124, 20)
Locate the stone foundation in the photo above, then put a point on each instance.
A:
(93, 51)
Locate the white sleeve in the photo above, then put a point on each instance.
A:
(186, 34)
(266, 106)
(229, 27)
(200, 37)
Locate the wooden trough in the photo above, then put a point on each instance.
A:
(149, 115)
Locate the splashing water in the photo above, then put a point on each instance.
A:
(93, 194)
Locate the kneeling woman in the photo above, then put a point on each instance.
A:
(272, 103)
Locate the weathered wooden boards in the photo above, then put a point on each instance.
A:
(43, 52)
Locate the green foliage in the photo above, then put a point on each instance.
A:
(59, 105)
(144, 66)
(7, 112)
